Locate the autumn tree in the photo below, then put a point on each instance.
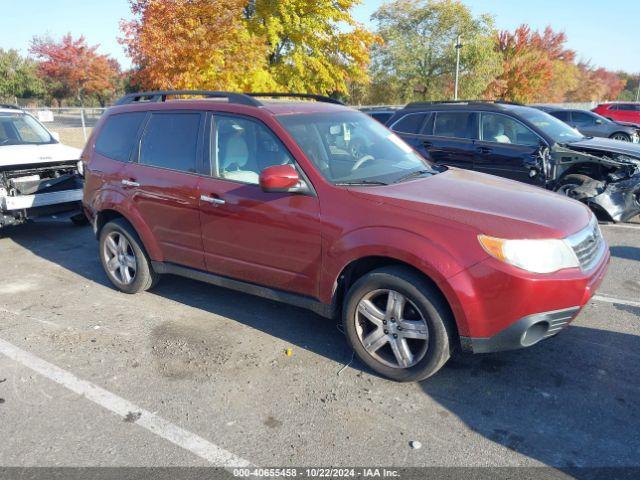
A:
(71, 68)
(194, 44)
(417, 57)
(313, 46)
(595, 84)
(18, 76)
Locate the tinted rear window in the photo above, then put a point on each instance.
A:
(118, 135)
(454, 124)
(410, 123)
(170, 141)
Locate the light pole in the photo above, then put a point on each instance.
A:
(455, 88)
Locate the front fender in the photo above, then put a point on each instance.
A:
(116, 201)
(431, 258)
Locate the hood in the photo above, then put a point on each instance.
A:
(606, 145)
(485, 204)
(18, 155)
(629, 125)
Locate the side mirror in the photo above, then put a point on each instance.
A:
(55, 135)
(281, 178)
(599, 121)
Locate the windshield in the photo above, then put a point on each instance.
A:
(22, 129)
(352, 148)
(556, 129)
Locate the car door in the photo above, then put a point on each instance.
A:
(585, 123)
(447, 138)
(270, 239)
(163, 184)
(507, 148)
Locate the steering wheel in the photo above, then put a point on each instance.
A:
(362, 161)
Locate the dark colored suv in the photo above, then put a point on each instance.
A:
(529, 145)
(270, 198)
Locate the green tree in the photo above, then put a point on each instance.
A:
(313, 46)
(417, 57)
(18, 76)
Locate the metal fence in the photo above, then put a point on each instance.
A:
(73, 124)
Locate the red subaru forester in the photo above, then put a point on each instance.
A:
(318, 205)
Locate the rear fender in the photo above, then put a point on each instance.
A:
(116, 201)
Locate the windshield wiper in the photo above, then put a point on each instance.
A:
(361, 182)
(409, 176)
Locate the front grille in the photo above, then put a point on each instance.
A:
(588, 245)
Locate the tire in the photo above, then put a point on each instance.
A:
(568, 183)
(621, 136)
(80, 220)
(139, 275)
(424, 309)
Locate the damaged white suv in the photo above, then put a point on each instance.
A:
(38, 175)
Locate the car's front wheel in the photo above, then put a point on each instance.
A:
(124, 259)
(623, 137)
(398, 324)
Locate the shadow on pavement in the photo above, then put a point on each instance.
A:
(76, 249)
(572, 400)
(626, 252)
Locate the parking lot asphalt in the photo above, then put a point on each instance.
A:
(190, 374)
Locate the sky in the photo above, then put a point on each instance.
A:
(605, 32)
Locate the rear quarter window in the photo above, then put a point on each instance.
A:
(118, 135)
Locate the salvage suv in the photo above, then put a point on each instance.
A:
(38, 175)
(268, 197)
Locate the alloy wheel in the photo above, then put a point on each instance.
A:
(120, 259)
(391, 328)
(621, 137)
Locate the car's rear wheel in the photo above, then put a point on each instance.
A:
(124, 259)
(398, 324)
(623, 137)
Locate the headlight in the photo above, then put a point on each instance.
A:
(80, 167)
(537, 256)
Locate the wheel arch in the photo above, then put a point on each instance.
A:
(112, 212)
(359, 267)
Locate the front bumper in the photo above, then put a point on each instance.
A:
(525, 332)
(503, 308)
(23, 202)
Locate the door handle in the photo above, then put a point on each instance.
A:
(130, 183)
(483, 150)
(213, 200)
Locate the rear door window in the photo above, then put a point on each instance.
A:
(118, 135)
(170, 141)
(499, 128)
(454, 125)
(564, 116)
(582, 118)
(411, 123)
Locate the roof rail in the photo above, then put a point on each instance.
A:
(317, 98)
(161, 96)
(455, 102)
(10, 106)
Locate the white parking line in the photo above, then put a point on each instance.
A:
(189, 441)
(621, 301)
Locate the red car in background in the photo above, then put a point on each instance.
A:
(620, 112)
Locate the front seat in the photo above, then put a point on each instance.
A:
(235, 158)
(500, 136)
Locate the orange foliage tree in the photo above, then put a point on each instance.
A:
(194, 44)
(71, 68)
